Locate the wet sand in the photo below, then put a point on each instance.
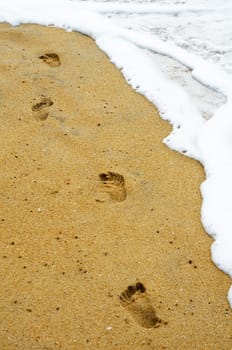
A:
(100, 229)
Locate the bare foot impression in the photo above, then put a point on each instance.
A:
(52, 59)
(136, 301)
(114, 184)
(40, 108)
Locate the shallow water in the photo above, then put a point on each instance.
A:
(198, 27)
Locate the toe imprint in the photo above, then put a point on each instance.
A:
(114, 183)
(46, 102)
(136, 301)
(52, 59)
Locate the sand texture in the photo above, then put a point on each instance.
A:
(101, 245)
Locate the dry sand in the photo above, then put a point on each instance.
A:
(71, 241)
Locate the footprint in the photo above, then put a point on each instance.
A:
(136, 301)
(39, 108)
(52, 59)
(114, 183)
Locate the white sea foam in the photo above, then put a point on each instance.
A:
(179, 55)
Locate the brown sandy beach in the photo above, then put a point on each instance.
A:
(92, 202)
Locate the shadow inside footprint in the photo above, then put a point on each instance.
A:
(136, 301)
(114, 184)
(52, 59)
(41, 115)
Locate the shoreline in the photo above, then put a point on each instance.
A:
(71, 244)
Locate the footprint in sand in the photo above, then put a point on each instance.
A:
(52, 59)
(114, 184)
(40, 108)
(136, 301)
